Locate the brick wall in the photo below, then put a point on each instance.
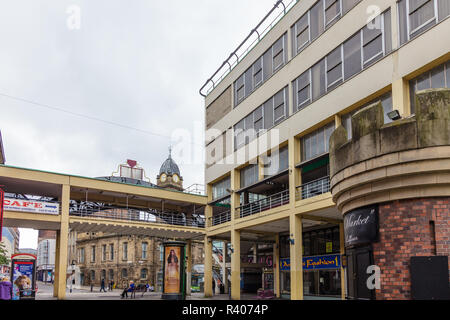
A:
(405, 231)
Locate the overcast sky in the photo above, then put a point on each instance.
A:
(137, 63)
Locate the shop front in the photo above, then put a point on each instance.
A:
(321, 264)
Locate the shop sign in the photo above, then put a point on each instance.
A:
(361, 226)
(332, 261)
(31, 206)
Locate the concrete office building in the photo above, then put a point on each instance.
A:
(271, 109)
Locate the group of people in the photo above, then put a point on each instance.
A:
(131, 288)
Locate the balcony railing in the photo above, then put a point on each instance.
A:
(313, 188)
(273, 201)
(129, 214)
(220, 218)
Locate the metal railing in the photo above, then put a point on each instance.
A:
(140, 215)
(220, 218)
(243, 49)
(313, 188)
(196, 188)
(272, 201)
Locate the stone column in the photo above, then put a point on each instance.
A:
(296, 257)
(62, 243)
(208, 267)
(224, 266)
(236, 265)
(276, 266)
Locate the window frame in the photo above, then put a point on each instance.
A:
(335, 18)
(366, 63)
(301, 105)
(280, 52)
(408, 14)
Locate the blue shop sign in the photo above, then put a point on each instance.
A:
(332, 261)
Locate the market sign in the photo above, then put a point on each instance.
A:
(332, 261)
(32, 206)
(361, 226)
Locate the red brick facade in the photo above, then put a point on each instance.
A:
(406, 230)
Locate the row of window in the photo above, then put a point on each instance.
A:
(358, 52)
(261, 70)
(221, 188)
(272, 112)
(416, 16)
(316, 20)
(124, 273)
(438, 77)
(144, 250)
(321, 16)
(364, 48)
(317, 242)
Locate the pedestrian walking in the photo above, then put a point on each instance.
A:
(213, 287)
(102, 286)
(146, 288)
(92, 286)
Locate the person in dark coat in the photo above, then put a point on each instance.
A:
(214, 286)
(102, 286)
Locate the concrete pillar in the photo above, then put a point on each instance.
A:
(235, 198)
(400, 96)
(236, 265)
(62, 244)
(56, 268)
(342, 251)
(224, 266)
(188, 267)
(208, 267)
(296, 257)
(294, 173)
(337, 121)
(276, 266)
(255, 252)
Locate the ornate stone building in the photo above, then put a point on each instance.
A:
(119, 257)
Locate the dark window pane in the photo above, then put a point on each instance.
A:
(448, 74)
(268, 114)
(443, 9)
(387, 31)
(438, 77)
(347, 5)
(422, 17)
(316, 20)
(352, 56)
(248, 82)
(423, 81)
(302, 32)
(318, 79)
(332, 11)
(402, 17)
(267, 64)
(373, 50)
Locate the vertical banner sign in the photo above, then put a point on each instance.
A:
(174, 271)
(23, 271)
(2, 196)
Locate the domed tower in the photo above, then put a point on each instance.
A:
(169, 175)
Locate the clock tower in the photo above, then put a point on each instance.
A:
(169, 175)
